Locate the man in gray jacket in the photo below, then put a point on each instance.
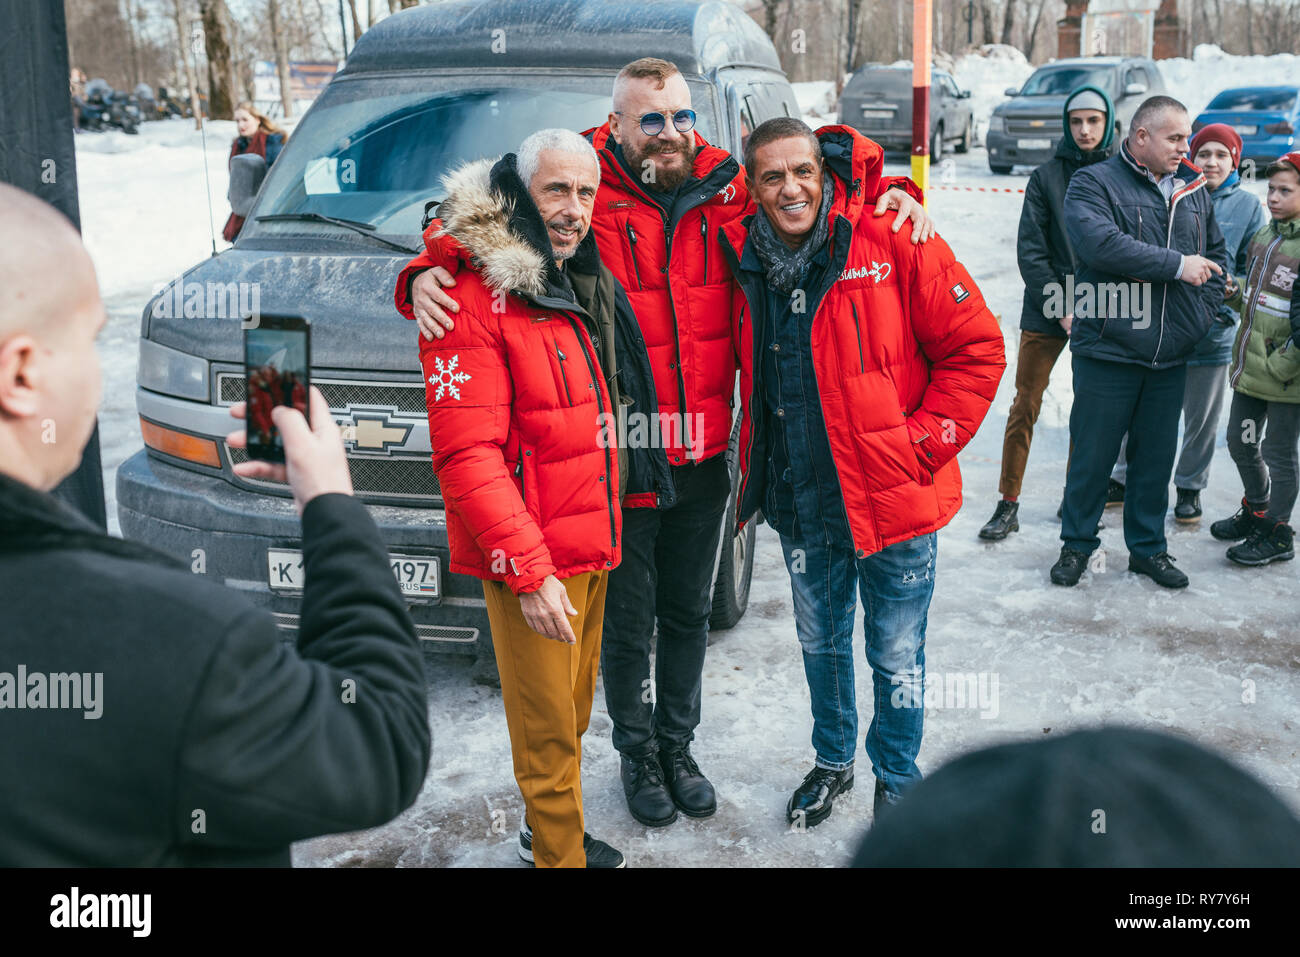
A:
(1151, 264)
(149, 716)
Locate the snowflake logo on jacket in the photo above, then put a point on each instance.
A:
(446, 378)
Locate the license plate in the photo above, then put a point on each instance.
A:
(1245, 129)
(876, 114)
(417, 575)
(1033, 144)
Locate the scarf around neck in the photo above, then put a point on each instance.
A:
(785, 267)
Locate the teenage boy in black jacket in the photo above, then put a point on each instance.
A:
(149, 716)
(1045, 258)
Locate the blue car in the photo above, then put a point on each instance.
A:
(1265, 117)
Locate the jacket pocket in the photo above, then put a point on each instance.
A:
(631, 252)
(704, 236)
(561, 358)
(862, 365)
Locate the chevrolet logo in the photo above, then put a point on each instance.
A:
(1038, 122)
(374, 432)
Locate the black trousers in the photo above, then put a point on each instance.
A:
(1111, 398)
(665, 577)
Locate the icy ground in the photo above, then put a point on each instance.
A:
(1219, 662)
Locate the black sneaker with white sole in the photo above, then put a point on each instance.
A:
(599, 854)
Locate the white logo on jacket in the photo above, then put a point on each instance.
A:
(728, 192)
(446, 378)
(878, 271)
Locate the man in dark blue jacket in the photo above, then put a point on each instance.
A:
(1151, 264)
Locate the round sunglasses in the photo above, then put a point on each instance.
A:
(652, 124)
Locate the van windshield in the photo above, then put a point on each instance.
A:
(374, 150)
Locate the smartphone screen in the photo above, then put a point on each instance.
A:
(277, 364)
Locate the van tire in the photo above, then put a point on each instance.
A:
(736, 554)
(963, 144)
(936, 144)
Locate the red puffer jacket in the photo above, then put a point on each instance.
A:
(678, 286)
(515, 393)
(907, 358)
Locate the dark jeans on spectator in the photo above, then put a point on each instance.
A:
(1272, 464)
(666, 574)
(1111, 398)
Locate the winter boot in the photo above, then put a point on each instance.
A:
(1069, 567)
(1188, 507)
(1160, 569)
(1269, 542)
(1005, 520)
(1240, 525)
(1114, 494)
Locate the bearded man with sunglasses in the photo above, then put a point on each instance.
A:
(664, 195)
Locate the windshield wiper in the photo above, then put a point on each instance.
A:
(363, 229)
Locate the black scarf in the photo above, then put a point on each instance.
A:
(785, 267)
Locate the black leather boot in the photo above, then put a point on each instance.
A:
(648, 799)
(690, 790)
(812, 800)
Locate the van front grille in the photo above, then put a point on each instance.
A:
(383, 480)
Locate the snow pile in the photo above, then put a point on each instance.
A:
(1210, 71)
(817, 102)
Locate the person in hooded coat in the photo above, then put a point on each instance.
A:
(1045, 259)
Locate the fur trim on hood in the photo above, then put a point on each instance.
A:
(491, 220)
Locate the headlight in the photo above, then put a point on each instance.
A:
(172, 372)
(997, 124)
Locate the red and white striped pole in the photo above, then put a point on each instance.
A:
(922, 43)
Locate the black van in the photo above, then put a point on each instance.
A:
(336, 218)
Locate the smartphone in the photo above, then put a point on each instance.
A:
(277, 371)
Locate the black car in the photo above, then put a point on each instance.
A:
(337, 217)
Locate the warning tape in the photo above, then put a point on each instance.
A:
(979, 189)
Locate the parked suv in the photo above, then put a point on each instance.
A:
(1026, 130)
(877, 102)
(335, 220)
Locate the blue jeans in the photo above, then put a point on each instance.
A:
(896, 585)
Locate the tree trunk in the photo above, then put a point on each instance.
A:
(281, 57)
(356, 22)
(183, 38)
(771, 8)
(1033, 31)
(1008, 21)
(132, 45)
(221, 74)
(986, 17)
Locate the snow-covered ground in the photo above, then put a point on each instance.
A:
(1219, 662)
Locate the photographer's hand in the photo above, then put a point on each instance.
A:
(315, 463)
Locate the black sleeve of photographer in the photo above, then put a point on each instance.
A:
(284, 746)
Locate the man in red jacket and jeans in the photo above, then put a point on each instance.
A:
(664, 193)
(867, 363)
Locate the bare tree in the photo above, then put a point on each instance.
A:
(1033, 31)
(1008, 20)
(771, 10)
(356, 21)
(221, 73)
(281, 56)
(986, 19)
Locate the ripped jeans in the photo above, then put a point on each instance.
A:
(896, 584)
